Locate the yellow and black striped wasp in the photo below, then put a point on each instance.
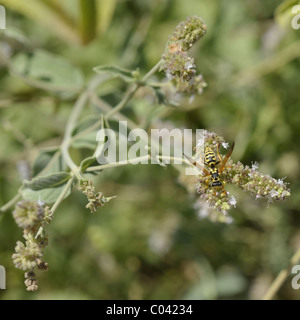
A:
(213, 173)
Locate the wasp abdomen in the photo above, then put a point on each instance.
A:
(215, 177)
(217, 184)
(210, 158)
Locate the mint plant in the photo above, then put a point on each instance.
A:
(55, 174)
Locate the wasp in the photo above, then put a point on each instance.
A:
(212, 161)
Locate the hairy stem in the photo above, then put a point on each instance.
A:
(10, 203)
(132, 91)
(62, 195)
(78, 107)
(133, 161)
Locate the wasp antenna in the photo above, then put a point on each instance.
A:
(193, 162)
(189, 159)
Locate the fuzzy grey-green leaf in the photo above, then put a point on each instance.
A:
(115, 71)
(51, 181)
(49, 195)
(86, 163)
(47, 70)
(48, 158)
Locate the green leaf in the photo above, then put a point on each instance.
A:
(88, 162)
(115, 71)
(86, 123)
(48, 159)
(47, 71)
(49, 195)
(51, 181)
(14, 36)
(87, 141)
(49, 14)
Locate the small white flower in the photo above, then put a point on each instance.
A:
(255, 166)
(41, 203)
(273, 193)
(232, 201)
(200, 143)
(189, 66)
(280, 182)
(225, 145)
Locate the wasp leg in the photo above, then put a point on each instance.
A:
(224, 192)
(228, 154)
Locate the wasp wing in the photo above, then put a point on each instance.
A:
(228, 154)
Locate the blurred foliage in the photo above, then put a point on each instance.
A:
(150, 242)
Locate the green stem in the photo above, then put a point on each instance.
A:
(132, 91)
(152, 71)
(132, 161)
(62, 195)
(77, 109)
(10, 203)
(123, 102)
(116, 164)
(105, 107)
(79, 105)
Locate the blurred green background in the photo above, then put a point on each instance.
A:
(150, 242)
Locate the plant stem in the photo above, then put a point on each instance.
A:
(62, 195)
(123, 102)
(132, 161)
(281, 277)
(80, 103)
(132, 91)
(116, 164)
(78, 107)
(105, 107)
(10, 203)
(152, 71)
